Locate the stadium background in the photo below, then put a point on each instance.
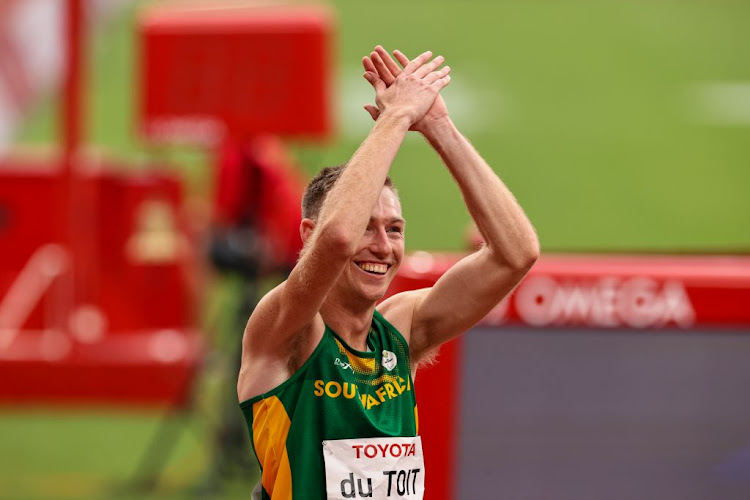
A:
(619, 126)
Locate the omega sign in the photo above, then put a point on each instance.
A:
(636, 302)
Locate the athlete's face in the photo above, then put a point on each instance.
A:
(380, 250)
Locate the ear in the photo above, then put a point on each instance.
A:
(306, 228)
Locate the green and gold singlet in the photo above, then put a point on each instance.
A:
(339, 393)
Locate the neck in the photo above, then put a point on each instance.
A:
(351, 321)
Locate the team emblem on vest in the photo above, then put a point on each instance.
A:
(389, 360)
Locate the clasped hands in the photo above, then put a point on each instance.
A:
(413, 90)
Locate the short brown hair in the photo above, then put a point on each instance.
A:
(319, 187)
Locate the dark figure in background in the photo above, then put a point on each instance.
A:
(255, 234)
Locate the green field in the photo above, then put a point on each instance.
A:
(607, 119)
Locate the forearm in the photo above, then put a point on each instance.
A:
(347, 208)
(500, 219)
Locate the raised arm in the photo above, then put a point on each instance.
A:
(330, 241)
(471, 288)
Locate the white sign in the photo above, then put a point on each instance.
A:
(391, 467)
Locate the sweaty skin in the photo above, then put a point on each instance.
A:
(355, 247)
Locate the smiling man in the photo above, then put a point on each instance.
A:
(326, 383)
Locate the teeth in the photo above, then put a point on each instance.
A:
(374, 268)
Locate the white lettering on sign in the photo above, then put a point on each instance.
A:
(374, 468)
(637, 302)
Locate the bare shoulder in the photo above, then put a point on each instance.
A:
(399, 310)
(261, 323)
(268, 358)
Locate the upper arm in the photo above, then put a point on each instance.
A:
(292, 306)
(460, 299)
(286, 324)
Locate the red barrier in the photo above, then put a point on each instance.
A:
(144, 367)
(597, 291)
(613, 291)
(119, 332)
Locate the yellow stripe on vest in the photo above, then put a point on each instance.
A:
(270, 429)
(359, 365)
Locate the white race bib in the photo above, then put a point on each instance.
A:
(391, 467)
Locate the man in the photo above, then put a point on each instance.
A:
(326, 378)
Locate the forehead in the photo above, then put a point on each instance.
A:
(388, 205)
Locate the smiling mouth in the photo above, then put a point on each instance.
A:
(371, 268)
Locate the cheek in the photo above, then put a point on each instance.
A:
(398, 248)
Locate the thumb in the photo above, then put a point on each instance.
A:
(374, 112)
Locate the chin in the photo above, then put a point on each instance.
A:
(368, 289)
(373, 295)
(372, 292)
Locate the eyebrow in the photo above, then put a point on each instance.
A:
(394, 220)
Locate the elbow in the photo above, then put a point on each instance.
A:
(337, 241)
(528, 255)
(523, 263)
(522, 259)
(531, 254)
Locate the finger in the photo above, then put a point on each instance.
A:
(442, 82)
(429, 67)
(401, 58)
(417, 62)
(368, 65)
(383, 70)
(388, 60)
(437, 75)
(374, 111)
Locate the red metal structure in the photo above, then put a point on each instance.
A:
(95, 303)
(89, 249)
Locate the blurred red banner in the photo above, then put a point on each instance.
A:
(612, 291)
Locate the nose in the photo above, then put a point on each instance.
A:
(380, 245)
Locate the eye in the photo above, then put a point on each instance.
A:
(395, 229)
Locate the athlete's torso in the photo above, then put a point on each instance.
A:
(338, 393)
